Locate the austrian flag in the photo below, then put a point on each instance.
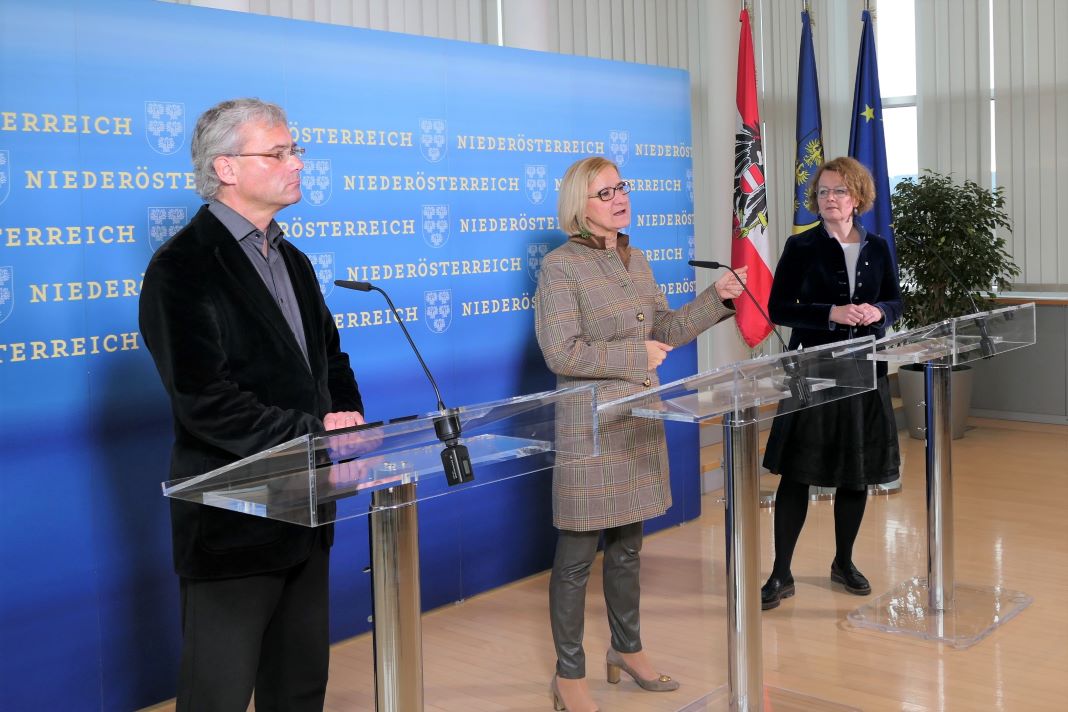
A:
(749, 245)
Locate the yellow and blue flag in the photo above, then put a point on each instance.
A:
(866, 141)
(809, 132)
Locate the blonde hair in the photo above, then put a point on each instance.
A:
(574, 191)
(856, 178)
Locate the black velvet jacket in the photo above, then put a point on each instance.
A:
(238, 384)
(811, 278)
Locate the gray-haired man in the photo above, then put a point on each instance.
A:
(250, 356)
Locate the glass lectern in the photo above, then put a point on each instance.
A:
(937, 607)
(794, 381)
(380, 470)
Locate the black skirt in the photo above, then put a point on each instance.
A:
(848, 443)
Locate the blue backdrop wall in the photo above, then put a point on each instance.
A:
(431, 170)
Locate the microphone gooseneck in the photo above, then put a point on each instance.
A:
(796, 382)
(455, 458)
(367, 287)
(986, 344)
(708, 264)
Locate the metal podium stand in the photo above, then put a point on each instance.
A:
(380, 471)
(795, 380)
(937, 607)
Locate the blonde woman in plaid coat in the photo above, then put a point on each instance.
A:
(601, 318)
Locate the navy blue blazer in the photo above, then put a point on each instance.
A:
(811, 277)
(238, 384)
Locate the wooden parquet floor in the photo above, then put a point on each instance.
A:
(494, 651)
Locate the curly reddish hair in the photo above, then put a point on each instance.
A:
(856, 177)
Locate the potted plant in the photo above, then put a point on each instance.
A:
(950, 260)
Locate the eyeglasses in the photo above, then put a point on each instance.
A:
(280, 155)
(839, 192)
(607, 194)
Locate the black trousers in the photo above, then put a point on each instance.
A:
(269, 633)
(575, 552)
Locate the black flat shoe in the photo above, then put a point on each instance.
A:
(852, 579)
(774, 591)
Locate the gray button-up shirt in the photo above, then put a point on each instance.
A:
(272, 268)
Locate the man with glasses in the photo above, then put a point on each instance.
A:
(250, 357)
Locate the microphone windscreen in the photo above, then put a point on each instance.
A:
(349, 284)
(707, 264)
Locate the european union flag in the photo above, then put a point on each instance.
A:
(866, 141)
(809, 132)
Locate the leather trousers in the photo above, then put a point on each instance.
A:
(575, 552)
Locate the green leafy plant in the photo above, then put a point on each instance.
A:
(940, 224)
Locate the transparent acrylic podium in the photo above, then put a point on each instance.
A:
(381, 470)
(937, 607)
(794, 381)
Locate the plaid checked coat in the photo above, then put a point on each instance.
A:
(592, 318)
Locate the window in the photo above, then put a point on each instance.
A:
(899, 129)
(895, 30)
(895, 39)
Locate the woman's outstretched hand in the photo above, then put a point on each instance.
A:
(728, 286)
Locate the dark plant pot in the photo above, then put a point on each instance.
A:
(910, 380)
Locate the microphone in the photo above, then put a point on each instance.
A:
(358, 286)
(986, 344)
(798, 385)
(455, 459)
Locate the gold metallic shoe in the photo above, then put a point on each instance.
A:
(615, 664)
(554, 690)
(558, 701)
